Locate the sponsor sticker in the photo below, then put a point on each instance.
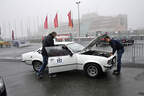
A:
(59, 60)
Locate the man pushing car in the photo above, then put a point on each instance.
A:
(48, 41)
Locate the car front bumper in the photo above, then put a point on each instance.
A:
(110, 64)
(2, 87)
(28, 62)
(108, 67)
(3, 92)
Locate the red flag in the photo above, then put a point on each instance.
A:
(70, 20)
(13, 35)
(56, 21)
(42, 38)
(46, 23)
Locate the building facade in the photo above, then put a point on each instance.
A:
(92, 24)
(108, 24)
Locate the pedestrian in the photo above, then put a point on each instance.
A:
(48, 41)
(116, 46)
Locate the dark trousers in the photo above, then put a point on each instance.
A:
(119, 56)
(44, 64)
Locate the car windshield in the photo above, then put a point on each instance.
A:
(75, 47)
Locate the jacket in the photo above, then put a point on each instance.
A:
(47, 42)
(116, 45)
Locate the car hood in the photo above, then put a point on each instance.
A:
(28, 53)
(26, 56)
(94, 42)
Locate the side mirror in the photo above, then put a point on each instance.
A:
(71, 54)
(64, 47)
(39, 51)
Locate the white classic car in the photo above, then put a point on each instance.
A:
(66, 56)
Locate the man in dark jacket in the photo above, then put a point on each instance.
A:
(47, 42)
(116, 46)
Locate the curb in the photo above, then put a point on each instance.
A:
(12, 59)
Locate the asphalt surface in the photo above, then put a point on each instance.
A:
(15, 53)
(21, 80)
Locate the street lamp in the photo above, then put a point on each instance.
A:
(78, 2)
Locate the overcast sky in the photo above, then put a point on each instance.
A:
(14, 10)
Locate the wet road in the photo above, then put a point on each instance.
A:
(21, 81)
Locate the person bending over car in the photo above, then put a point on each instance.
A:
(48, 41)
(116, 46)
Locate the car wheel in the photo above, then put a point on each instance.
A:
(36, 65)
(4, 93)
(93, 70)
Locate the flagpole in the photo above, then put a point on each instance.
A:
(9, 28)
(37, 27)
(28, 29)
(72, 26)
(47, 23)
(41, 25)
(78, 3)
(4, 30)
(0, 30)
(22, 29)
(34, 24)
(15, 30)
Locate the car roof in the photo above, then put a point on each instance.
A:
(60, 43)
(63, 43)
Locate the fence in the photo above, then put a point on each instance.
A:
(133, 53)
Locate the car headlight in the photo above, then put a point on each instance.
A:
(1, 83)
(109, 62)
(112, 61)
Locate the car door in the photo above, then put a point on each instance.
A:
(62, 62)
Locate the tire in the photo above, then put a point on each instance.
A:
(4, 93)
(36, 65)
(93, 70)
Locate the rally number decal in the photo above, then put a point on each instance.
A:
(59, 60)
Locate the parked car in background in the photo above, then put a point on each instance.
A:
(3, 91)
(20, 43)
(63, 37)
(125, 40)
(66, 56)
(5, 44)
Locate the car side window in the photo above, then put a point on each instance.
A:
(65, 52)
(57, 51)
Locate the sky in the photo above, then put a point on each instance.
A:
(13, 11)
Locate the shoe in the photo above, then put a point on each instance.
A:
(39, 76)
(52, 75)
(116, 73)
